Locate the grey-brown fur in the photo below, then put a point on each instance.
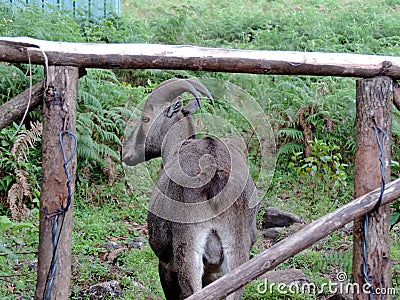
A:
(193, 254)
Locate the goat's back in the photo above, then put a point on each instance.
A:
(223, 156)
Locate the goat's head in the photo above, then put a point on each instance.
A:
(162, 110)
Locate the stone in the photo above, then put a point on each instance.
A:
(276, 234)
(274, 217)
(111, 246)
(135, 243)
(103, 290)
(272, 233)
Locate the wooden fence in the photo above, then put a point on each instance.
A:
(377, 91)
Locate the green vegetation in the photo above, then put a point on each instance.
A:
(110, 200)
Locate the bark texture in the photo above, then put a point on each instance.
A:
(182, 57)
(374, 107)
(59, 109)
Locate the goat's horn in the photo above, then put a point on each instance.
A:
(167, 92)
(168, 81)
(196, 84)
(202, 89)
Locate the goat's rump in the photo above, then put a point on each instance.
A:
(209, 159)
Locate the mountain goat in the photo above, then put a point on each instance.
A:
(202, 212)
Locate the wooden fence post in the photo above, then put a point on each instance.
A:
(59, 110)
(374, 108)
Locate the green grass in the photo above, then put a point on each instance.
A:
(110, 201)
(330, 26)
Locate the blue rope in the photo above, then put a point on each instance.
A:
(67, 161)
(365, 254)
(60, 211)
(381, 144)
(52, 270)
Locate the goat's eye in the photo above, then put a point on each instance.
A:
(145, 119)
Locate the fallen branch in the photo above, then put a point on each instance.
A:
(14, 109)
(296, 243)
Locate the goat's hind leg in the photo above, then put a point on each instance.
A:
(236, 249)
(188, 259)
(232, 261)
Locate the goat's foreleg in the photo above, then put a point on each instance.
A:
(169, 282)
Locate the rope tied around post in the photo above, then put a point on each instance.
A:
(54, 98)
(380, 138)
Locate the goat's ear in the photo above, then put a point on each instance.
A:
(174, 108)
(191, 107)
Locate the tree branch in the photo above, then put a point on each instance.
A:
(14, 109)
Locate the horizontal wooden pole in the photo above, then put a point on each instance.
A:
(296, 243)
(181, 57)
(14, 109)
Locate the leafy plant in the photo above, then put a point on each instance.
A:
(175, 24)
(7, 225)
(12, 80)
(114, 30)
(324, 165)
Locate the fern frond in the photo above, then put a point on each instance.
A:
(317, 116)
(291, 133)
(102, 74)
(90, 102)
(13, 198)
(289, 148)
(88, 149)
(84, 123)
(25, 139)
(107, 150)
(16, 194)
(23, 182)
(110, 137)
(36, 129)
